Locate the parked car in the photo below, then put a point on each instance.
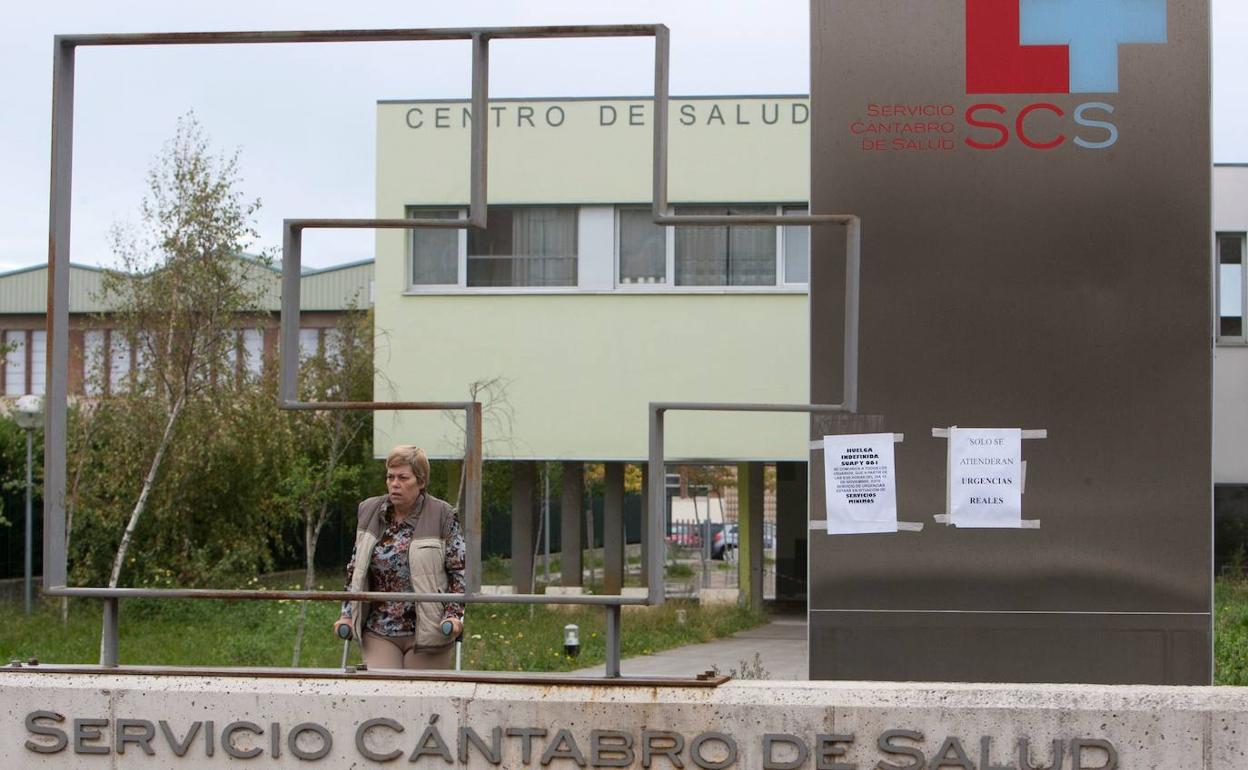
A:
(769, 535)
(685, 538)
(719, 544)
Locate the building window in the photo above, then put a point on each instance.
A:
(796, 248)
(524, 246)
(332, 341)
(252, 349)
(15, 363)
(642, 247)
(740, 255)
(434, 251)
(1232, 287)
(309, 343)
(93, 361)
(118, 362)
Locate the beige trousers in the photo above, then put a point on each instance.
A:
(400, 652)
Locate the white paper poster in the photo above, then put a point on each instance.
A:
(861, 482)
(985, 477)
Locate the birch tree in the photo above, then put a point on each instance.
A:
(180, 294)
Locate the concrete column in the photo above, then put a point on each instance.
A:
(523, 473)
(613, 528)
(645, 524)
(792, 531)
(571, 518)
(750, 533)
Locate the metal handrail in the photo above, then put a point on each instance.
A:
(242, 594)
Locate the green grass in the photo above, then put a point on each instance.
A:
(503, 637)
(1230, 644)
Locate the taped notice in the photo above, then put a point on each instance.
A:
(985, 477)
(861, 482)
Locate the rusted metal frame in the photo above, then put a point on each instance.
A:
(656, 462)
(661, 204)
(56, 425)
(110, 635)
(612, 668)
(56, 410)
(413, 34)
(230, 594)
(661, 207)
(470, 506)
(481, 677)
(64, 47)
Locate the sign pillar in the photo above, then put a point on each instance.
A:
(1035, 252)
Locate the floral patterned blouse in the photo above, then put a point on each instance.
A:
(388, 570)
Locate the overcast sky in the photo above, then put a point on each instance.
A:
(304, 116)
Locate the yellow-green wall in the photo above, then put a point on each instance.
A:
(582, 161)
(581, 369)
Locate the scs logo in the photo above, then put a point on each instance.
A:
(1051, 47)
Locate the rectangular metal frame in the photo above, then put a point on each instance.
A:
(55, 460)
(56, 425)
(657, 503)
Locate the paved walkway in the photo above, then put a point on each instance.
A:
(780, 645)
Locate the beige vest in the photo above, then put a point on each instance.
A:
(426, 558)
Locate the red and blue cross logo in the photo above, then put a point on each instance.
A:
(1054, 46)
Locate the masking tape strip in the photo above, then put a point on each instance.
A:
(944, 518)
(902, 526)
(1037, 433)
(817, 445)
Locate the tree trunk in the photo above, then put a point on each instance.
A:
(148, 483)
(311, 534)
(141, 505)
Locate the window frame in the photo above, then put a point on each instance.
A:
(461, 284)
(615, 286)
(573, 288)
(669, 254)
(1241, 339)
(782, 270)
(669, 285)
(24, 355)
(461, 251)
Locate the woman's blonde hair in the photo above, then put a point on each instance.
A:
(414, 458)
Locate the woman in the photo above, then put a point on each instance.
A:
(406, 541)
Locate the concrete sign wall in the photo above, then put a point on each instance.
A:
(70, 721)
(1033, 180)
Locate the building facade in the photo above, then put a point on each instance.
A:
(586, 312)
(574, 297)
(102, 359)
(1230, 354)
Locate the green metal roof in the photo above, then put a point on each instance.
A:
(25, 290)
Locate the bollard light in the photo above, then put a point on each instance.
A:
(571, 640)
(28, 413)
